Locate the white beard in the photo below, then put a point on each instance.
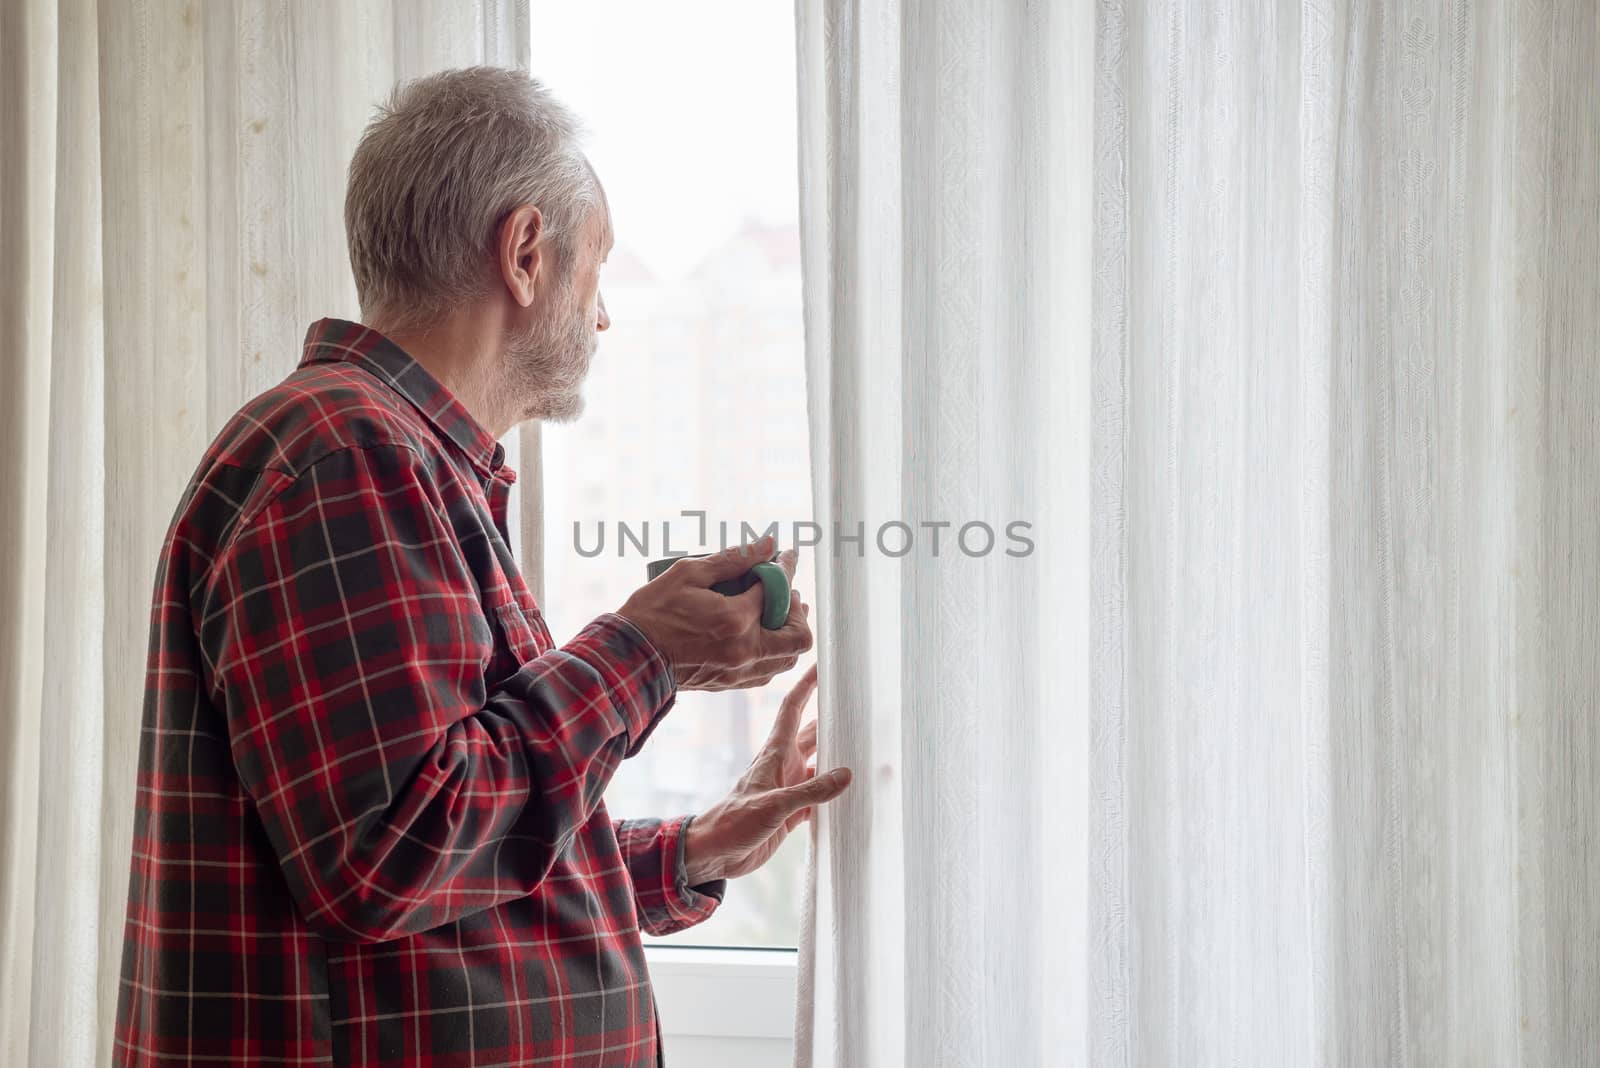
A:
(546, 365)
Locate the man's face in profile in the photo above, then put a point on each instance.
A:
(549, 358)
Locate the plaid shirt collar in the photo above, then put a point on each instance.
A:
(339, 341)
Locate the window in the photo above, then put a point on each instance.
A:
(696, 401)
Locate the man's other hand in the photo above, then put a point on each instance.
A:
(714, 642)
(740, 833)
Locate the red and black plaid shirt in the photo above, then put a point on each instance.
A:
(369, 822)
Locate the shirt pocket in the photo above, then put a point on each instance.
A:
(515, 643)
(517, 636)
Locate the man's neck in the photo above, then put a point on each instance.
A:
(462, 350)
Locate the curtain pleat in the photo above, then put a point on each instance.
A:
(947, 352)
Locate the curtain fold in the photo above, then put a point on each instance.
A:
(177, 206)
(943, 187)
(1283, 745)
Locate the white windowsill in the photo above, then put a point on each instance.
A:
(724, 993)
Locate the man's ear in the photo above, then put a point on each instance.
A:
(519, 250)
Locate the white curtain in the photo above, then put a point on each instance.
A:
(1281, 322)
(171, 196)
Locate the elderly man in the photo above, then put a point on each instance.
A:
(370, 826)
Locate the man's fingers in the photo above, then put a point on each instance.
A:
(762, 671)
(794, 705)
(816, 791)
(787, 560)
(766, 653)
(807, 739)
(729, 563)
(793, 638)
(751, 604)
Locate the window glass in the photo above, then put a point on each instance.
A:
(696, 400)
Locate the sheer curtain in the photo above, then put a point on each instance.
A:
(171, 207)
(1281, 323)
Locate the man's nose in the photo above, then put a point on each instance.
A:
(604, 320)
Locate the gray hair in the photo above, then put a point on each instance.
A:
(437, 171)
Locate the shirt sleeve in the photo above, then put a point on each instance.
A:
(348, 644)
(653, 851)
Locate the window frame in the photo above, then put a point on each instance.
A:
(710, 994)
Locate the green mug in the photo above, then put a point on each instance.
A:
(774, 584)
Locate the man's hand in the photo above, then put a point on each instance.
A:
(713, 642)
(740, 833)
